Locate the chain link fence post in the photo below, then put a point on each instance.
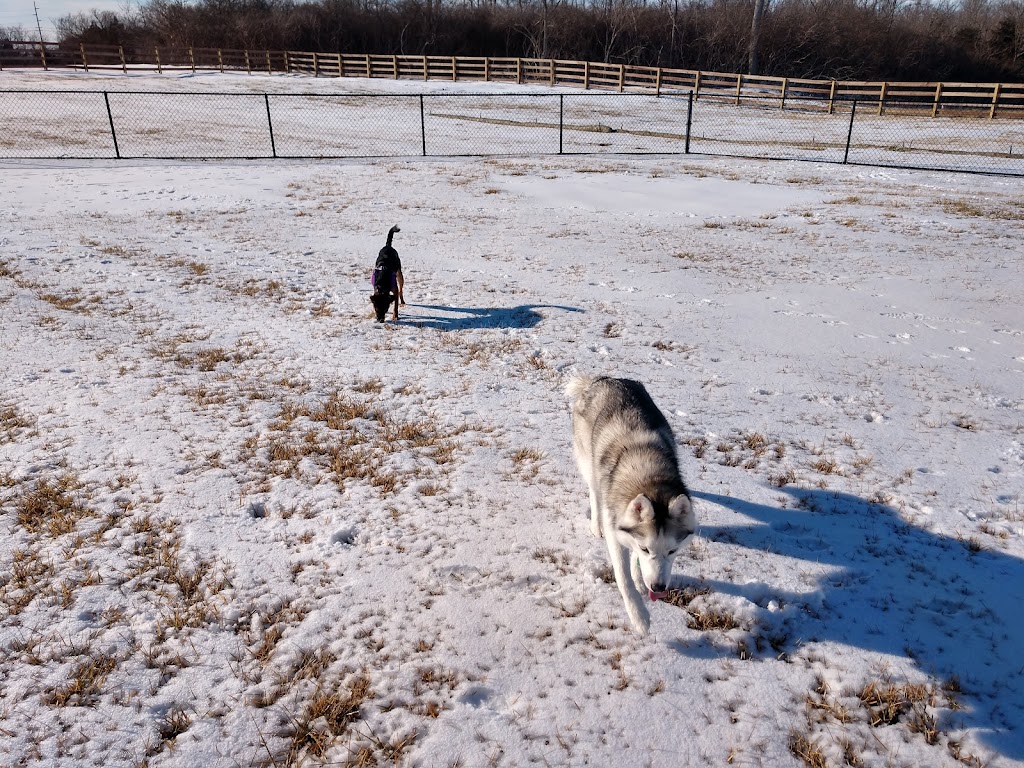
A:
(423, 127)
(110, 117)
(689, 121)
(561, 120)
(849, 132)
(270, 125)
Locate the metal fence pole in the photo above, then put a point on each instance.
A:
(849, 132)
(423, 127)
(689, 121)
(561, 120)
(110, 117)
(270, 125)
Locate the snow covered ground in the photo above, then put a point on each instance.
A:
(244, 524)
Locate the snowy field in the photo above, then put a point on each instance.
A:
(244, 524)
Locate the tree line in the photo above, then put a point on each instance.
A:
(897, 40)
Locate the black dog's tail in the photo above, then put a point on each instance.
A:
(391, 234)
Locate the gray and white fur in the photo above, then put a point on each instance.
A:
(638, 501)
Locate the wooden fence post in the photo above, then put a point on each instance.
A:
(938, 98)
(192, 58)
(657, 83)
(487, 69)
(696, 85)
(85, 60)
(316, 65)
(248, 65)
(369, 71)
(220, 59)
(455, 70)
(739, 87)
(270, 71)
(394, 66)
(519, 71)
(42, 53)
(785, 87)
(341, 66)
(426, 68)
(586, 75)
(156, 55)
(551, 63)
(832, 98)
(996, 93)
(622, 77)
(287, 63)
(881, 97)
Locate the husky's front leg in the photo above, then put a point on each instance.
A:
(635, 608)
(638, 579)
(595, 503)
(595, 511)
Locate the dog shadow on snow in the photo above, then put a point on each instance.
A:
(877, 583)
(446, 318)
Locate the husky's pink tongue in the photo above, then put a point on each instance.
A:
(656, 596)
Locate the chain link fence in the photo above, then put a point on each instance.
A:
(167, 125)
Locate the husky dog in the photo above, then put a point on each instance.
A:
(626, 452)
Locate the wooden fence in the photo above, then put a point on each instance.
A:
(972, 99)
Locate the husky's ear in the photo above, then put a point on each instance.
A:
(682, 507)
(639, 510)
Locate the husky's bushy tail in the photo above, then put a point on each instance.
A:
(391, 234)
(577, 385)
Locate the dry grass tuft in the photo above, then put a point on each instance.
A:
(808, 752)
(85, 684)
(886, 703)
(173, 724)
(781, 479)
(826, 465)
(13, 423)
(50, 507)
(712, 618)
(681, 598)
(327, 716)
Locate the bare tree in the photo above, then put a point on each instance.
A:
(12, 33)
(753, 52)
(966, 40)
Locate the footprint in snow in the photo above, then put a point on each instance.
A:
(346, 537)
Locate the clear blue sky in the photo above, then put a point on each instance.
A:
(14, 13)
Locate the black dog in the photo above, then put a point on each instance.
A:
(388, 281)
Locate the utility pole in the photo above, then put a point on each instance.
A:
(39, 28)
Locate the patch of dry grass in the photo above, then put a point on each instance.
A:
(85, 682)
(51, 506)
(807, 751)
(14, 423)
(325, 717)
(354, 437)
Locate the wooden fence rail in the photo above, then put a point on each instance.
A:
(969, 99)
